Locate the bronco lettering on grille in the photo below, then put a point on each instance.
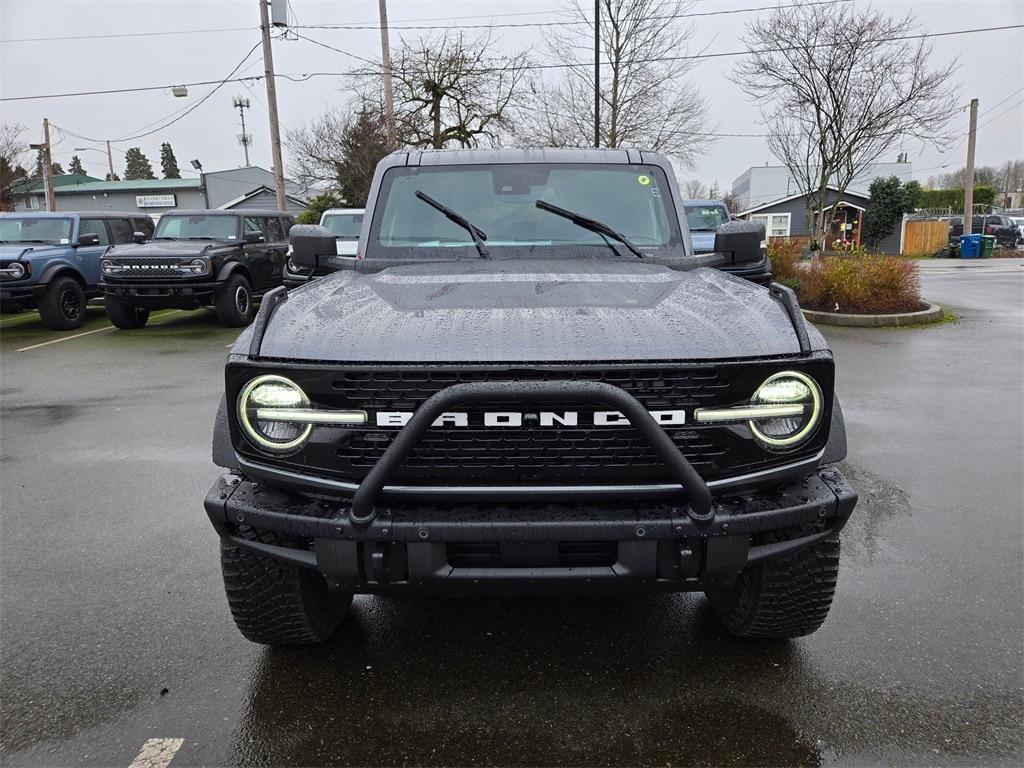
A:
(499, 419)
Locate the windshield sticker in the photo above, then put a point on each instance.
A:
(643, 180)
(64, 241)
(655, 192)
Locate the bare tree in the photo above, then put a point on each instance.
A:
(451, 89)
(694, 189)
(646, 98)
(843, 85)
(340, 150)
(12, 157)
(1006, 178)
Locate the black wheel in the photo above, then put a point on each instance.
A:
(234, 303)
(123, 315)
(275, 603)
(783, 597)
(62, 306)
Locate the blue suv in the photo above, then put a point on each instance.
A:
(51, 261)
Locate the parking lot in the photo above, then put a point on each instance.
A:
(116, 629)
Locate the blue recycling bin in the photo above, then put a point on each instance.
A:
(970, 246)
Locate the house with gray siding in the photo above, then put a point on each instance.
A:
(762, 184)
(787, 218)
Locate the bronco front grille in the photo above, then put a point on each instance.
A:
(581, 454)
(149, 268)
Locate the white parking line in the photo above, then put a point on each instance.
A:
(157, 753)
(86, 333)
(65, 338)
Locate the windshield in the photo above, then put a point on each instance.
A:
(500, 200)
(198, 227)
(345, 226)
(705, 218)
(35, 230)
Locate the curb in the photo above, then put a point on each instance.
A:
(932, 314)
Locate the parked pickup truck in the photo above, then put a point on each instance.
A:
(51, 261)
(530, 382)
(1003, 228)
(219, 259)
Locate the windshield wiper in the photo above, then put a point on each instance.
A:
(478, 234)
(592, 224)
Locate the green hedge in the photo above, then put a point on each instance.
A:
(984, 194)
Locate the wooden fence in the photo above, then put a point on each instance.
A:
(925, 236)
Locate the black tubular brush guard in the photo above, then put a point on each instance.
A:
(691, 483)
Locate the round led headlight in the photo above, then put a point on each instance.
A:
(262, 413)
(15, 270)
(107, 265)
(789, 390)
(199, 266)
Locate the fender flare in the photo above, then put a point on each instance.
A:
(57, 269)
(835, 448)
(223, 450)
(230, 268)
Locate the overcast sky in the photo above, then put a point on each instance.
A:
(992, 70)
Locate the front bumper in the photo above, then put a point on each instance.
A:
(23, 295)
(487, 546)
(168, 295)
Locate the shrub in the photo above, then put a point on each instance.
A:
(785, 255)
(860, 285)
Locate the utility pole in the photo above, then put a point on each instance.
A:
(597, 73)
(110, 161)
(275, 130)
(969, 173)
(51, 198)
(385, 55)
(243, 104)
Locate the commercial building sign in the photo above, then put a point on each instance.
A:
(156, 201)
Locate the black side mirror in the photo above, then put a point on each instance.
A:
(742, 242)
(309, 243)
(89, 238)
(253, 237)
(139, 237)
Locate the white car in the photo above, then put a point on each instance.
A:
(345, 223)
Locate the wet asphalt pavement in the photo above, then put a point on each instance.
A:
(115, 629)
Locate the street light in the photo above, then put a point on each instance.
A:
(110, 157)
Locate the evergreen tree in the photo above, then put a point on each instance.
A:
(114, 178)
(76, 165)
(168, 162)
(137, 165)
(57, 168)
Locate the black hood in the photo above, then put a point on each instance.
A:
(170, 248)
(528, 311)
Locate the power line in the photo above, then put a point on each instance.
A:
(406, 24)
(564, 22)
(301, 77)
(131, 34)
(182, 114)
(980, 125)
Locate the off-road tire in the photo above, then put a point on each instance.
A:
(275, 603)
(62, 306)
(125, 316)
(784, 597)
(234, 304)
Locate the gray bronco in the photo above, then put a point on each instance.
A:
(528, 380)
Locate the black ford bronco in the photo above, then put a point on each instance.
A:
(527, 380)
(197, 259)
